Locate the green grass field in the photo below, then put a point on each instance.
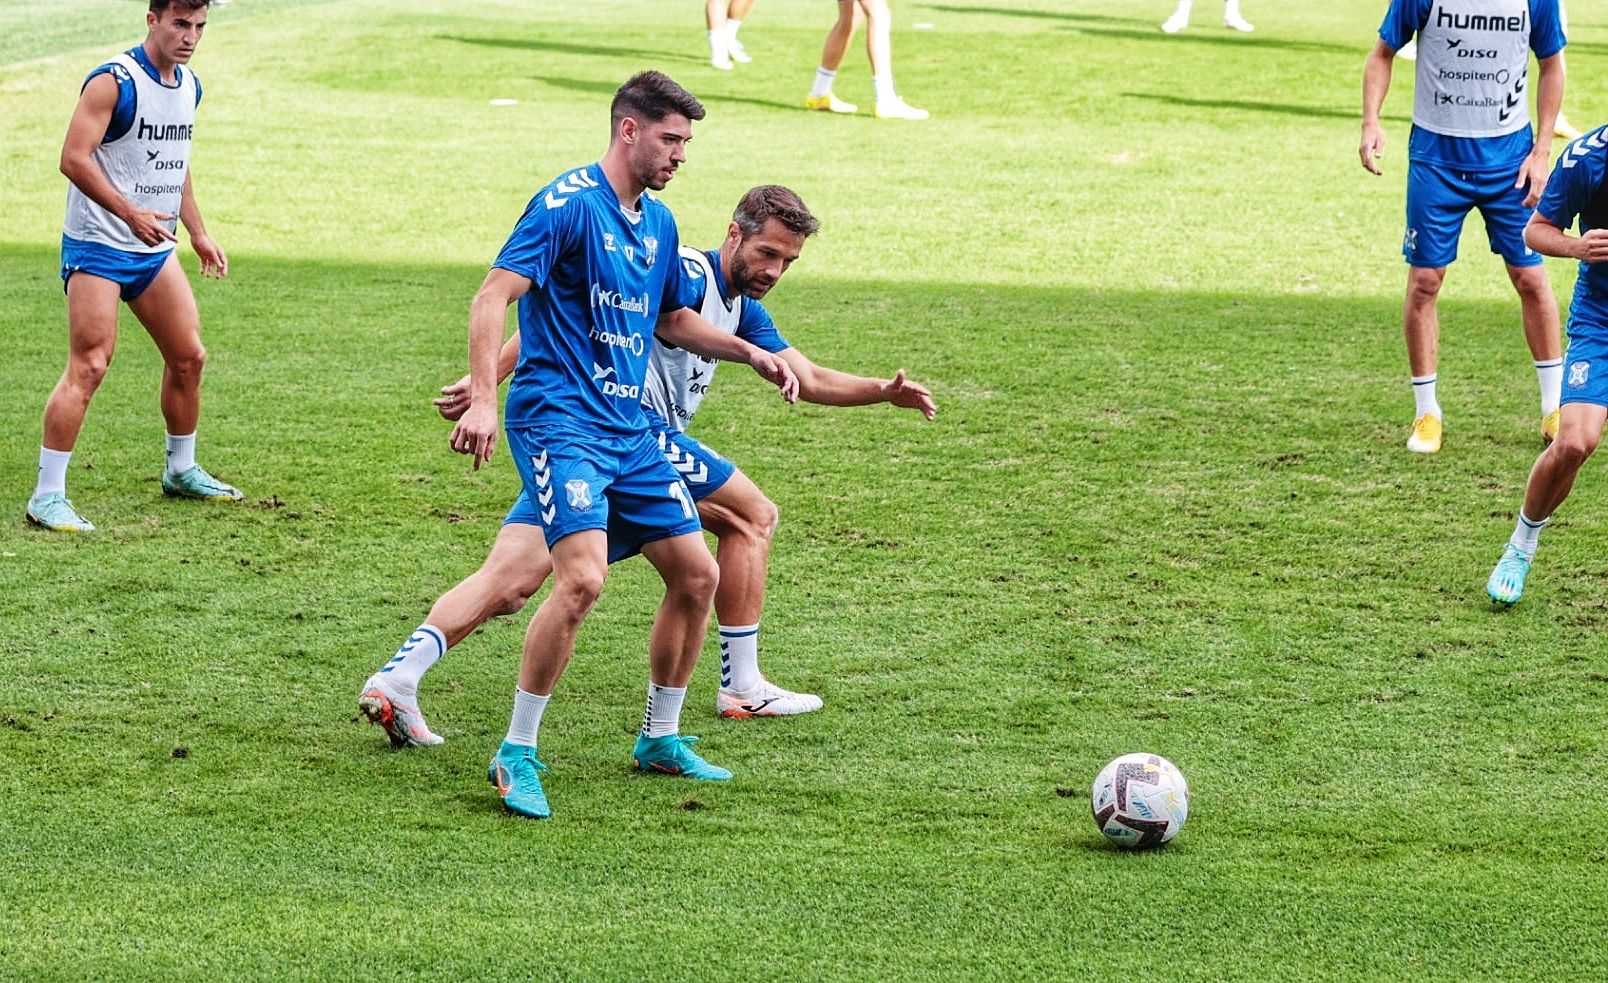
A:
(1165, 506)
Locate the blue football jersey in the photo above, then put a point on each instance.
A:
(1576, 192)
(600, 276)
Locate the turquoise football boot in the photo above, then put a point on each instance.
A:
(516, 774)
(673, 755)
(53, 511)
(196, 483)
(1506, 585)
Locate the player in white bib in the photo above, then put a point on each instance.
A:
(127, 156)
(766, 235)
(1471, 147)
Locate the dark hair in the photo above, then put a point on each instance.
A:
(650, 97)
(161, 6)
(772, 201)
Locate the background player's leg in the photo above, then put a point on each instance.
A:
(511, 574)
(1543, 331)
(92, 304)
(821, 96)
(744, 523)
(1421, 325)
(167, 309)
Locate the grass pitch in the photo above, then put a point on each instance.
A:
(1165, 506)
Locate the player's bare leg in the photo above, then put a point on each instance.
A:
(580, 564)
(1543, 331)
(744, 522)
(690, 578)
(511, 574)
(1551, 479)
(1421, 325)
(167, 310)
(92, 304)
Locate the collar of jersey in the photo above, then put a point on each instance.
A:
(144, 61)
(720, 277)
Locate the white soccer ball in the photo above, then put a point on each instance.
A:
(1140, 800)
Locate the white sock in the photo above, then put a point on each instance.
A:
(1231, 10)
(1424, 396)
(663, 715)
(739, 657)
(1183, 10)
(823, 83)
(1527, 533)
(52, 471)
(882, 85)
(1549, 375)
(731, 28)
(180, 453)
(417, 654)
(527, 718)
(717, 44)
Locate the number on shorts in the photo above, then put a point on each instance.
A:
(678, 491)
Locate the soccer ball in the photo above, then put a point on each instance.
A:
(1140, 800)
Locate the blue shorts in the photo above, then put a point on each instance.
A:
(134, 272)
(701, 469)
(1585, 368)
(1439, 198)
(620, 483)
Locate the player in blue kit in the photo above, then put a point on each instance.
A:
(1471, 147)
(127, 157)
(592, 263)
(1578, 191)
(766, 235)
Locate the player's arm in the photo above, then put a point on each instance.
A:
(476, 431)
(213, 261)
(1375, 84)
(1548, 102)
(90, 120)
(685, 328)
(455, 398)
(829, 387)
(1548, 239)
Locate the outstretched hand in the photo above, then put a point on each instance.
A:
(774, 369)
(910, 395)
(454, 400)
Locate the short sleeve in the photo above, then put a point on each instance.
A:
(538, 239)
(1403, 20)
(756, 327)
(1546, 28)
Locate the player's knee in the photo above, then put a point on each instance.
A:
(1572, 449)
(189, 364)
(578, 590)
(698, 580)
(1423, 284)
(760, 518)
(89, 368)
(1531, 283)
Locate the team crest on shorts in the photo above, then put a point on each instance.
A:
(1578, 373)
(1410, 240)
(580, 494)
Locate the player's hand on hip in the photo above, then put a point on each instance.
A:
(910, 395)
(1373, 147)
(476, 433)
(213, 262)
(149, 227)
(454, 399)
(774, 369)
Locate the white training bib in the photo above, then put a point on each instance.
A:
(147, 164)
(677, 379)
(1473, 68)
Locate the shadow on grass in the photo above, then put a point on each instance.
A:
(551, 47)
(1281, 108)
